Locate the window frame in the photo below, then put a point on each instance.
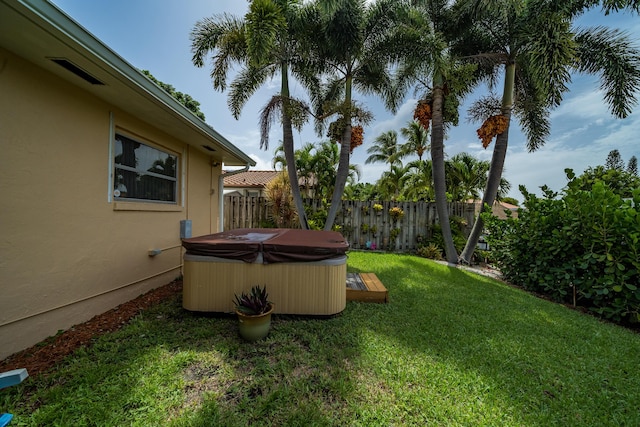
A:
(132, 203)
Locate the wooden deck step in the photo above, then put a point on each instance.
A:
(366, 287)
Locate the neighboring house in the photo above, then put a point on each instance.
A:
(100, 169)
(249, 183)
(254, 183)
(499, 209)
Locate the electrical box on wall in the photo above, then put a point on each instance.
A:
(185, 228)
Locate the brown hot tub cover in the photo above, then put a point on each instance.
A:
(275, 244)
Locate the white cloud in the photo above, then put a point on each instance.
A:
(585, 105)
(262, 164)
(396, 121)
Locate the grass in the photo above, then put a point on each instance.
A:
(450, 348)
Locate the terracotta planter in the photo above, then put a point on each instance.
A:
(253, 328)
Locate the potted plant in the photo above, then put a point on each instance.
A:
(378, 208)
(254, 313)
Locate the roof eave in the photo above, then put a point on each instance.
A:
(65, 32)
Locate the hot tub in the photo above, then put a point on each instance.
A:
(305, 271)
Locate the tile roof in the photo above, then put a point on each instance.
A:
(255, 179)
(497, 209)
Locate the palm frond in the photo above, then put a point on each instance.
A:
(483, 108)
(532, 111)
(611, 54)
(245, 84)
(549, 54)
(266, 28)
(269, 114)
(222, 37)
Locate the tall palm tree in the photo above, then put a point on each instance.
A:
(265, 44)
(446, 80)
(385, 149)
(537, 46)
(417, 140)
(354, 44)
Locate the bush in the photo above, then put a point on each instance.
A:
(282, 211)
(457, 232)
(431, 251)
(582, 248)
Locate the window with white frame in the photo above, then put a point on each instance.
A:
(142, 172)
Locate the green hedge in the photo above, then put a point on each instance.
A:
(583, 247)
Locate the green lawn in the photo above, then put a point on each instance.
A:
(450, 348)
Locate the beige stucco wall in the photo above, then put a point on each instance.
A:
(67, 252)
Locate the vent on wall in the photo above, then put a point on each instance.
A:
(208, 148)
(68, 65)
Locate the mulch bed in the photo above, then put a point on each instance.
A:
(45, 355)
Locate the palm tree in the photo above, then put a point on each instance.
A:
(417, 140)
(304, 165)
(354, 44)
(384, 149)
(446, 80)
(264, 44)
(538, 47)
(392, 181)
(466, 176)
(418, 181)
(324, 164)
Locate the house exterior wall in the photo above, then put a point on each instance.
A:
(67, 250)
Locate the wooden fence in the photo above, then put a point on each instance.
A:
(360, 223)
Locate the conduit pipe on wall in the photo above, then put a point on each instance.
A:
(221, 193)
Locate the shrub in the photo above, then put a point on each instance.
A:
(459, 239)
(316, 219)
(282, 210)
(431, 251)
(582, 248)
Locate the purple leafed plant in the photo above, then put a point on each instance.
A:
(254, 303)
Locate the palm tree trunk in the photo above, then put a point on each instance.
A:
(289, 153)
(343, 165)
(497, 164)
(437, 163)
(341, 178)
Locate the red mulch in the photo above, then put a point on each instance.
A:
(45, 355)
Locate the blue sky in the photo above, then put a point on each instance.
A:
(154, 35)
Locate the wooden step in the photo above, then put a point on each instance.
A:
(374, 292)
